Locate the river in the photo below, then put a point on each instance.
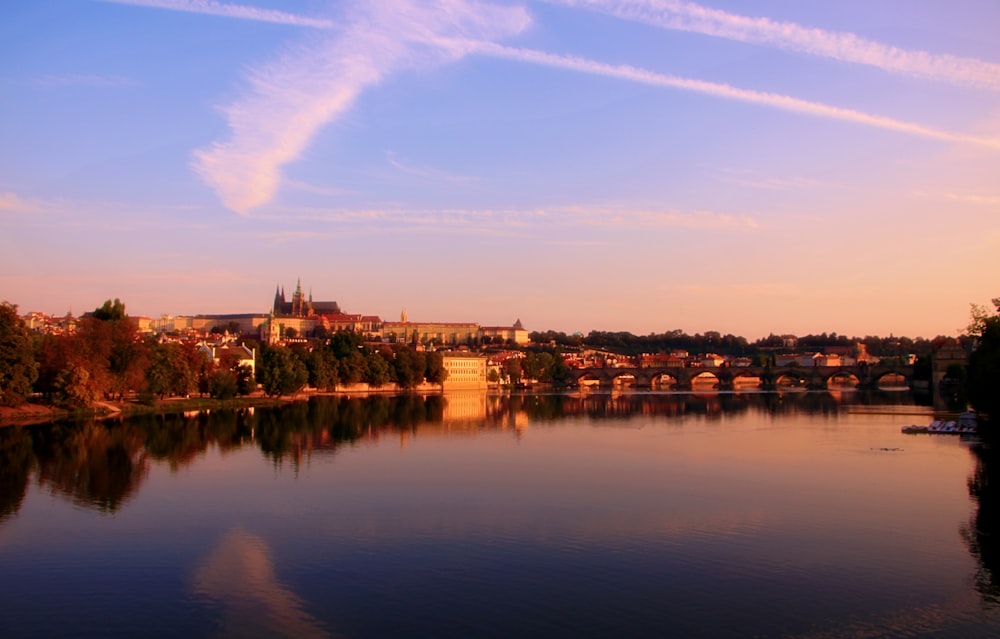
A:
(628, 515)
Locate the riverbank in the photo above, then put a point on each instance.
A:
(33, 414)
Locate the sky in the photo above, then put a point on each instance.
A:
(752, 167)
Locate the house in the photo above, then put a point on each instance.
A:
(229, 355)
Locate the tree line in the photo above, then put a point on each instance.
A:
(625, 343)
(106, 358)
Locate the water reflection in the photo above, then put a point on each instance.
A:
(717, 514)
(239, 578)
(92, 464)
(983, 532)
(102, 464)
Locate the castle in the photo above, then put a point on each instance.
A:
(303, 317)
(301, 306)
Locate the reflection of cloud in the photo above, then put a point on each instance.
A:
(239, 575)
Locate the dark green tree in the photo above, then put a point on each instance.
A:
(512, 369)
(280, 372)
(434, 370)
(351, 368)
(376, 370)
(18, 370)
(558, 375)
(323, 369)
(222, 384)
(409, 367)
(169, 371)
(110, 311)
(983, 377)
(245, 382)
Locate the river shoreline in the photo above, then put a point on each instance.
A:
(34, 414)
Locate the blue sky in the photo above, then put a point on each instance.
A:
(640, 165)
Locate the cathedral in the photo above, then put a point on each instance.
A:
(300, 305)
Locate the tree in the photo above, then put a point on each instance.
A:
(245, 382)
(434, 370)
(983, 377)
(110, 311)
(322, 367)
(280, 372)
(18, 370)
(169, 371)
(512, 370)
(222, 384)
(376, 370)
(352, 367)
(409, 367)
(75, 387)
(558, 374)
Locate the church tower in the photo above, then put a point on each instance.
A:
(278, 301)
(298, 309)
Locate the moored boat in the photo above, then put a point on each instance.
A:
(964, 425)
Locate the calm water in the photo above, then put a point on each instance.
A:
(740, 515)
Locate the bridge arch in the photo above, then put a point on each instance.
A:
(624, 378)
(705, 379)
(891, 379)
(842, 378)
(746, 378)
(663, 381)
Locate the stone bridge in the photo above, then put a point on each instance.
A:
(726, 377)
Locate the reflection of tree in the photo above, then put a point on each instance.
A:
(180, 440)
(93, 464)
(16, 460)
(983, 533)
(102, 465)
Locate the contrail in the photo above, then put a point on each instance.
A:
(243, 12)
(774, 100)
(847, 47)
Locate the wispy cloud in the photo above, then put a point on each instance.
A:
(425, 172)
(315, 189)
(15, 203)
(846, 47)
(966, 198)
(532, 221)
(640, 217)
(773, 100)
(84, 80)
(311, 85)
(226, 10)
(752, 180)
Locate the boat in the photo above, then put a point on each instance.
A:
(964, 425)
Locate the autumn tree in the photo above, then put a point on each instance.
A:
(18, 370)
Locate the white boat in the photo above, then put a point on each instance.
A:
(965, 425)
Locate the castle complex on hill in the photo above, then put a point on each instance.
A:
(300, 306)
(303, 317)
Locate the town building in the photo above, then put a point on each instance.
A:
(466, 371)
